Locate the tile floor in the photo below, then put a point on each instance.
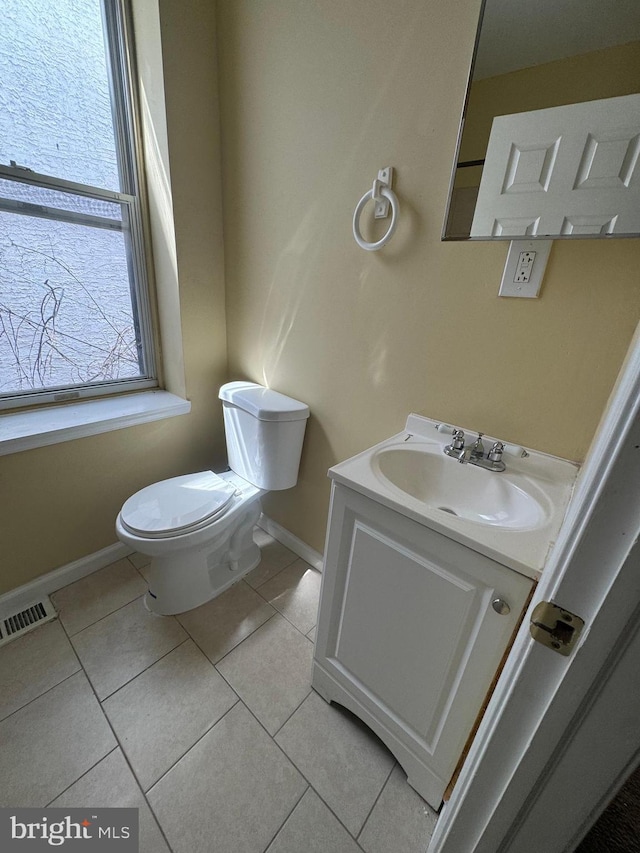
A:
(206, 721)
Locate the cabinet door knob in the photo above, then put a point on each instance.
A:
(500, 606)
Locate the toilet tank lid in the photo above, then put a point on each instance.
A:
(263, 403)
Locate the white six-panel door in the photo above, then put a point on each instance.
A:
(565, 170)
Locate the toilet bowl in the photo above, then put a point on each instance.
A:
(198, 528)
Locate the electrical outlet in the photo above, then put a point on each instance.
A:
(525, 267)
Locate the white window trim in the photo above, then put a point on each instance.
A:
(121, 70)
(27, 430)
(39, 427)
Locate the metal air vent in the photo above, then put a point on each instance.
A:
(19, 623)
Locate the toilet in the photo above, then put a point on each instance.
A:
(198, 528)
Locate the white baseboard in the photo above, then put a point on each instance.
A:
(24, 596)
(27, 594)
(291, 542)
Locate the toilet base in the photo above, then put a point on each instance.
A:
(185, 579)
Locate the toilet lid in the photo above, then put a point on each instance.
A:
(175, 504)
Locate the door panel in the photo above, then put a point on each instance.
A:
(565, 170)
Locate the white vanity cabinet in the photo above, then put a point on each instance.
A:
(408, 638)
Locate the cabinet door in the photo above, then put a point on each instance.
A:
(407, 627)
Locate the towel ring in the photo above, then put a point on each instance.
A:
(391, 197)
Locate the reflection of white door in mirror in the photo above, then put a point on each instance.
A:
(571, 170)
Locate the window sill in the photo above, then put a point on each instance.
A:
(40, 427)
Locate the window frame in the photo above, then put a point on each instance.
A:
(122, 79)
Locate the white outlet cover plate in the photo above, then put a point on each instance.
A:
(530, 290)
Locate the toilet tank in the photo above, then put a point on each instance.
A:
(264, 431)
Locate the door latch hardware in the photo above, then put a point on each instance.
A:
(555, 627)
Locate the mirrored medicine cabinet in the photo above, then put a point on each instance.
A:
(549, 143)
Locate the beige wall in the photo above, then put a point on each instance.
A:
(316, 96)
(59, 503)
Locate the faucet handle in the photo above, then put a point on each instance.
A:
(458, 439)
(495, 454)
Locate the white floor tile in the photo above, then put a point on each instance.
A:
(271, 671)
(275, 557)
(33, 663)
(230, 793)
(219, 625)
(312, 828)
(159, 715)
(51, 742)
(139, 560)
(400, 821)
(84, 602)
(344, 762)
(227, 787)
(111, 784)
(295, 592)
(120, 646)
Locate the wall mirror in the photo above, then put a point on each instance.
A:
(549, 144)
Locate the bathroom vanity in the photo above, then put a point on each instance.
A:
(429, 565)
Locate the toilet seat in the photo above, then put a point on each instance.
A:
(178, 505)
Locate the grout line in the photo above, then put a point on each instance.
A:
(281, 827)
(298, 706)
(119, 743)
(277, 613)
(375, 802)
(133, 678)
(310, 784)
(136, 782)
(135, 777)
(142, 576)
(275, 575)
(272, 737)
(44, 693)
(106, 616)
(116, 747)
(243, 640)
(137, 568)
(339, 819)
(281, 569)
(70, 638)
(276, 608)
(213, 663)
(299, 630)
(122, 749)
(193, 745)
(351, 835)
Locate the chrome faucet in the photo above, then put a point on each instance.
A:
(477, 450)
(475, 455)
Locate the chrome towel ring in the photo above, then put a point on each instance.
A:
(384, 197)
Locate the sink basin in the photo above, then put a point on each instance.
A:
(466, 491)
(512, 517)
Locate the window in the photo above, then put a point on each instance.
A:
(74, 308)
